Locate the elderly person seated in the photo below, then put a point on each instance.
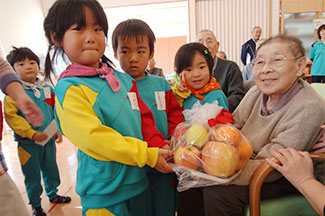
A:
(280, 111)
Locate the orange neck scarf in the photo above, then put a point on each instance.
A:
(211, 86)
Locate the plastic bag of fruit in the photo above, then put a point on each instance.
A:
(206, 151)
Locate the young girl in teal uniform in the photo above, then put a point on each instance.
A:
(34, 158)
(193, 64)
(133, 45)
(98, 109)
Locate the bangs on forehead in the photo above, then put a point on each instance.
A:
(133, 30)
(75, 14)
(138, 37)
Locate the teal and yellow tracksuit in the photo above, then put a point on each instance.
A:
(208, 98)
(158, 96)
(35, 159)
(107, 128)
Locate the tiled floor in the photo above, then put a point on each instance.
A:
(67, 163)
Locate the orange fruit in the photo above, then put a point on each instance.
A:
(229, 135)
(245, 150)
(241, 164)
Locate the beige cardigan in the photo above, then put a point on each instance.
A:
(296, 125)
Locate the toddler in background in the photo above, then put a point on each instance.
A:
(98, 109)
(11, 200)
(133, 44)
(34, 158)
(193, 64)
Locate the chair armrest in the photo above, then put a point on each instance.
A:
(258, 178)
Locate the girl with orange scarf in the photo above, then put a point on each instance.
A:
(193, 64)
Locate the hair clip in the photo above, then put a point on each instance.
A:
(206, 52)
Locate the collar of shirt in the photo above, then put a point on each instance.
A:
(295, 88)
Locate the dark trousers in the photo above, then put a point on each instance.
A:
(190, 202)
(230, 200)
(318, 79)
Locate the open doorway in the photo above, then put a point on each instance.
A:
(169, 22)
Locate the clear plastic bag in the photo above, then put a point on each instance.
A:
(205, 155)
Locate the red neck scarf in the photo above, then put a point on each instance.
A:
(103, 72)
(211, 86)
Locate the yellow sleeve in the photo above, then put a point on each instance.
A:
(81, 125)
(15, 121)
(180, 96)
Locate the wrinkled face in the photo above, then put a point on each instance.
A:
(198, 74)
(280, 70)
(256, 33)
(85, 46)
(207, 39)
(27, 70)
(133, 56)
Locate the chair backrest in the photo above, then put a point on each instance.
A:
(258, 178)
(319, 88)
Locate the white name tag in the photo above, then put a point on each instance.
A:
(47, 92)
(160, 100)
(134, 101)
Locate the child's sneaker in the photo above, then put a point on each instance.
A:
(60, 199)
(38, 211)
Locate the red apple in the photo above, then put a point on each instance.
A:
(180, 131)
(219, 159)
(187, 156)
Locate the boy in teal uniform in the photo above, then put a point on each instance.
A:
(98, 109)
(133, 44)
(34, 158)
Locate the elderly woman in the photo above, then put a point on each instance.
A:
(280, 111)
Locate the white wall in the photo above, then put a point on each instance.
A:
(232, 21)
(46, 4)
(22, 20)
(21, 24)
(275, 17)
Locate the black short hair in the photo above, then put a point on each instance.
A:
(319, 30)
(20, 54)
(62, 15)
(185, 55)
(133, 28)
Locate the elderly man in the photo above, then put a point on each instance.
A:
(227, 73)
(248, 48)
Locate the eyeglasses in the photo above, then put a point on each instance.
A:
(274, 61)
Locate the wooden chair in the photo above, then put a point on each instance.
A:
(257, 180)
